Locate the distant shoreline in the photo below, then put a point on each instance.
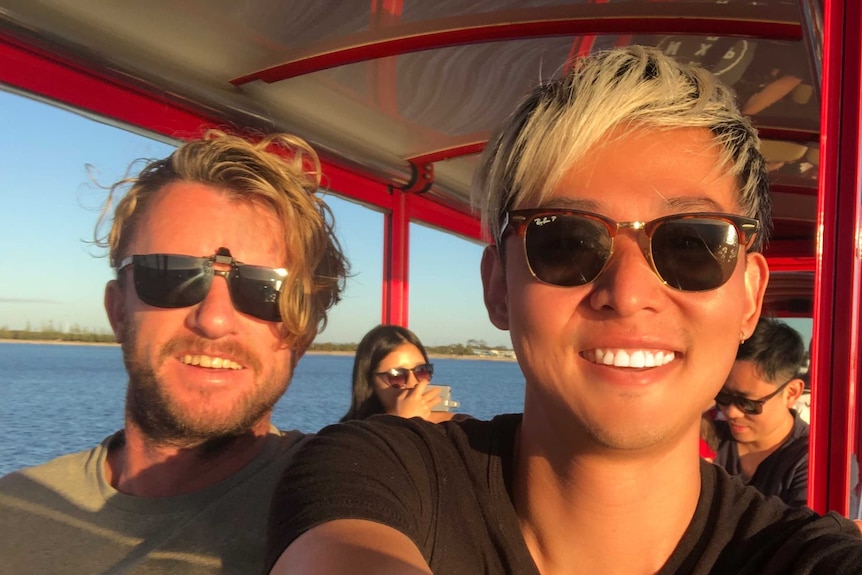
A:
(309, 352)
(58, 342)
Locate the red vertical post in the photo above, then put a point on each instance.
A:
(396, 249)
(835, 349)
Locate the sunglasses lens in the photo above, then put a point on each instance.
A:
(171, 281)
(566, 249)
(423, 372)
(396, 377)
(695, 254)
(254, 290)
(747, 406)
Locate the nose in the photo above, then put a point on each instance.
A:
(215, 316)
(732, 412)
(410, 381)
(628, 283)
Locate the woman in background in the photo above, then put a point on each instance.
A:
(391, 373)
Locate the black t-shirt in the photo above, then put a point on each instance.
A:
(446, 487)
(784, 473)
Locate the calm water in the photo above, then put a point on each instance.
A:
(55, 399)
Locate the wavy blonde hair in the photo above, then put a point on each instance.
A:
(281, 172)
(632, 87)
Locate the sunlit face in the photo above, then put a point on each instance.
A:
(560, 333)
(172, 396)
(407, 356)
(772, 424)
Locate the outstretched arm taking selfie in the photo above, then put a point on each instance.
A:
(351, 547)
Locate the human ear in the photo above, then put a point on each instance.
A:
(115, 306)
(494, 287)
(756, 278)
(794, 391)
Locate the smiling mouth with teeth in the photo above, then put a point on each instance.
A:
(209, 361)
(629, 357)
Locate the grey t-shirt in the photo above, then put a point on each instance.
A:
(63, 517)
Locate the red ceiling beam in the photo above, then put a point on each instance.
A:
(47, 76)
(777, 22)
(791, 264)
(356, 187)
(448, 153)
(435, 214)
(801, 136)
(790, 248)
(793, 189)
(477, 146)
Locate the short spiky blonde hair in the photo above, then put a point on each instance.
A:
(281, 172)
(631, 87)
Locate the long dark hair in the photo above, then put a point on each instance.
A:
(374, 347)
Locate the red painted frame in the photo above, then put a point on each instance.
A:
(835, 352)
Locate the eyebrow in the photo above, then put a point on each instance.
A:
(581, 204)
(691, 203)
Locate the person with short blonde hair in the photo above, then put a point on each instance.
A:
(226, 265)
(628, 206)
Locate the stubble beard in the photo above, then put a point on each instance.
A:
(150, 407)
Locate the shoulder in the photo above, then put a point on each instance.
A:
(370, 455)
(393, 432)
(425, 480)
(286, 443)
(30, 497)
(753, 533)
(60, 471)
(794, 451)
(361, 460)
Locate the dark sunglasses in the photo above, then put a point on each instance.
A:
(746, 405)
(688, 252)
(398, 376)
(172, 281)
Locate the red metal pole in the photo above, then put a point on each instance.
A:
(396, 250)
(835, 346)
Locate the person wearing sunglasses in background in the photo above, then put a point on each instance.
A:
(391, 373)
(628, 203)
(762, 439)
(226, 266)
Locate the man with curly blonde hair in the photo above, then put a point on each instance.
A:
(226, 266)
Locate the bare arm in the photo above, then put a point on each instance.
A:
(351, 547)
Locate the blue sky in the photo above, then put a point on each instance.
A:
(50, 205)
